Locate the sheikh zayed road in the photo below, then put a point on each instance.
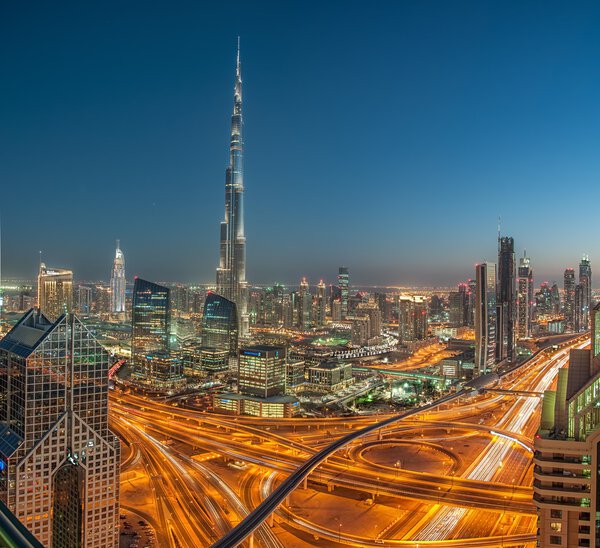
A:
(456, 474)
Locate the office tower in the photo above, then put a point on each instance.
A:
(524, 298)
(336, 310)
(321, 303)
(231, 273)
(304, 305)
(361, 328)
(117, 283)
(55, 291)
(505, 299)
(371, 311)
(150, 330)
(485, 317)
(569, 296)
(262, 371)
(567, 446)
(220, 324)
(458, 306)
(61, 463)
(343, 285)
(585, 280)
(412, 318)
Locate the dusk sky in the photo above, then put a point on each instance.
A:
(385, 136)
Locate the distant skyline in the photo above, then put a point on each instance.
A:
(387, 137)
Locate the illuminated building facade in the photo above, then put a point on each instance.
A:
(304, 309)
(567, 452)
(321, 303)
(60, 462)
(343, 285)
(485, 317)
(524, 298)
(231, 273)
(585, 281)
(117, 283)
(412, 318)
(55, 291)
(569, 303)
(261, 371)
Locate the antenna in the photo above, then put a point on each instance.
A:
(499, 225)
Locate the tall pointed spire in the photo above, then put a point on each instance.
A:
(231, 273)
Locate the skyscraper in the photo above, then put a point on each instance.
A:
(485, 317)
(262, 371)
(304, 305)
(321, 303)
(60, 462)
(569, 305)
(150, 330)
(55, 291)
(220, 324)
(585, 280)
(506, 297)
(117, 283)
(231, 273)
(524, 298)
(343, 284)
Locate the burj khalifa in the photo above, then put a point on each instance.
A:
(231, 273)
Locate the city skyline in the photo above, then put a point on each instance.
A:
(110, 140)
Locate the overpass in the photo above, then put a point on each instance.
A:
(253, 520)
(269, 505)
(399, 373)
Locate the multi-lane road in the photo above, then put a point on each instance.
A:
(196, 500)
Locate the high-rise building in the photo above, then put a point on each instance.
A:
(231, 273)
(412, 318)
(585, 280)
(485, 317)
(458, 306)
(569, 295)
(55, 291)
(371, 311)
(304, 303)
(150, 332)
(262, 371)
(344, 284)
(506, 299)
(321, 303)
(117, 283)
(567, 447)
(220, 324)
(524, 298)
(60, 462)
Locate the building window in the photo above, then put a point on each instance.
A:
(556, 526)
(556, 514)
(555, 540)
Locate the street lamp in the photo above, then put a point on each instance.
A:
(340, 532)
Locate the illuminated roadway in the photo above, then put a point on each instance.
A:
(184, 520)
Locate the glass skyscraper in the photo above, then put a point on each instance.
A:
(59, 471)
(150, 331)
(220, 324)
(485, 317)
(231, 273)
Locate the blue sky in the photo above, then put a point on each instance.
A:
(386, 136)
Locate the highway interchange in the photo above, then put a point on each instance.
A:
(200, 478)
